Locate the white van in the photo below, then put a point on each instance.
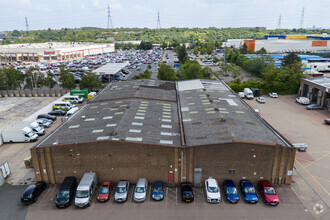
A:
(248, 93)
(73, 99)
(140, 192)
(63, 106)
(72, 111)
(86, 190)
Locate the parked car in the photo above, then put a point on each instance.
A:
(85, 190)
(104, 193)
(314, 107)
(32, 192)
(187, 193)
(57, 113)
(50, 117)
(273, 95)
(230, 190)
(44, 122)
(140, 192)
(302, 100)
(157, 191)
(248, 191)
(261, 100)
(268, 192)
(212, 190)
(327, 121)
(66, 192)
(122, 191)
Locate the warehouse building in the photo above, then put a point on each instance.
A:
(317, 89)
(174, 132)
(281, 45)
(56, 51)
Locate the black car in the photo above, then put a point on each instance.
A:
(327, 121)
(50, 117)
(57, 113)
(187, 194)
(32, 192)
(66, 192)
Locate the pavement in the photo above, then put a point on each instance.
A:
(311, 174)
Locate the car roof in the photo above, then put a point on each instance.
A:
(212, 182)
(159, 183)
(246, 183)
(230, 183)
(122, 183)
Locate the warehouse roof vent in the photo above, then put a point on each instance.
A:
(113, 133)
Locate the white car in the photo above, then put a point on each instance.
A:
(261, 100)
(273, 95)
(212, 190)
(302, 100)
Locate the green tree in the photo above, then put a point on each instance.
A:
(290, 59)
(195, 51)
(261, 51)
(34, 78)
(145, 75)
(145, 45)
(90, 81)
(49, 80)
(166, 72)
(244, 49)
(12, 78)
(256, 65)
(182, 53)
(67, 79)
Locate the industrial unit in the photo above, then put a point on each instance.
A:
(317, 89)
(169, 131)
(57, 51)
(284, 44)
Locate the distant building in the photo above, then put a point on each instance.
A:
(52, 51)
(317, 89)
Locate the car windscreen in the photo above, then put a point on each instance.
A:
(187, 193)
(140, 189)
(62, 194)
(29, 190)
(30, 134)
(158, 189)
(104, 190)
(121, 189)
(249, 190)
(270, 191)
(231, 190)
(82, 193)
(213, 189)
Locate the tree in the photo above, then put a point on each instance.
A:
(261, 51)
(182, 53)
(145, 45)
(166, 72)
(12, 78)
(90, 81)
(195, 51)
(49, 80)
(67, 79)
(244, 49)
(256, 65)
(34, 78)
(145, 75)
(290, 59)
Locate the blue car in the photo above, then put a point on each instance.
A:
(158, 191)
(231, 193)
(248, 191)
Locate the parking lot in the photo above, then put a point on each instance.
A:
(171, 206)
(311, 174)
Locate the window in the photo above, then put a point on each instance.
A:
(82, 193)
(231, 171)
(139, 189)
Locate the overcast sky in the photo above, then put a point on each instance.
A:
(56, 14)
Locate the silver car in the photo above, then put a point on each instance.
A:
(122, 189)
(140, 192)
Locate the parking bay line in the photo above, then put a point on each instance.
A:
(316, 160)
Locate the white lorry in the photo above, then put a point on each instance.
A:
(248, 93)
(36, 128)
(13, 134)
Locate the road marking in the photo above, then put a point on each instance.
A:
(313, 177)
(317, 160)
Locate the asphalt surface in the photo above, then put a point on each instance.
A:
(298, 125)
(171, 208)
(10, 204)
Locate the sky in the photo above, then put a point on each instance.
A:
(57, 14)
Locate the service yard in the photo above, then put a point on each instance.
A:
(298, 125)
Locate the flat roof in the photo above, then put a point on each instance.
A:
(110, 68)
(214, 114)
(321, 81)
(48, 45)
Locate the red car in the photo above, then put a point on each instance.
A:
(268, 192)
(104, 193)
